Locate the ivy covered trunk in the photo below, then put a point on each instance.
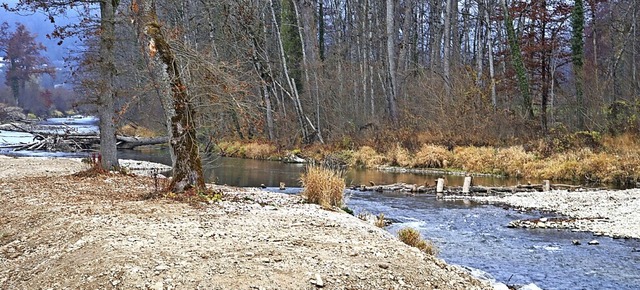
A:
(187, 166)
(518, 63)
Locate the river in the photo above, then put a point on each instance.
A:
(467, 234)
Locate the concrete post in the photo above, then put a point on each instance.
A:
(440, 187)
(466, 187)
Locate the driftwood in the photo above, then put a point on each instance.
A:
(458, 190)
(68, 141)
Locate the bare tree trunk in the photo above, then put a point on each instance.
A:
(307, 32)
(435, 35)
(480, 40)
(492, 74)
(293, 94)
(187, 166)
(446, 48)
(391, 58)
(108, 150)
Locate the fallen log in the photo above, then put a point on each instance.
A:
(458, 190)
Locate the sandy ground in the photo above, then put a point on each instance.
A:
(58, 231)
(611, 213)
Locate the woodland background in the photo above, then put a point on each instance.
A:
(378, 72)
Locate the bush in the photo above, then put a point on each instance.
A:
(259, 151)
(412, 238)
(323, 186)
(399, 156)
(433, 156)
(512, 161)
(367, 157)
(475, 159)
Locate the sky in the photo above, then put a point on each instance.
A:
(39, 24)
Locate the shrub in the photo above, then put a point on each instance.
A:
(399, 156)
(133, 130)
(475, 159)
(231, 149)
(433, 156)
(366, 157)
(259, 151)
(380, 222)
(323, 186)
(412, 238)
(512, 161)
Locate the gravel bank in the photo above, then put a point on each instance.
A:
(63, 232)
(612, 213)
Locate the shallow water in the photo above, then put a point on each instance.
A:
(476, 236)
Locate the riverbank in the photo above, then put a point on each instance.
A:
(61, 231)
(611, 213)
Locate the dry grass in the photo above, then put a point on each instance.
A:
(380, 222)
(252, 150)
(259, 151)
(323, 186)
(475, 159)
(412, 238)
(399, 156)
(512, 161)
(433, 156)
(138, 131)
(366, 157)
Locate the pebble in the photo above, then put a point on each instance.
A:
(157, 286)
(383, 266)
(594, 242)
(161, 267)
(576, 242)
(318, 281)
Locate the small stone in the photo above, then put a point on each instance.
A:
(115, 283)
(383, 266)
(161, 267)
(544, 219)
(594, 242)
(318, 281)
(576, 242)
(157, 286)
(249, 254)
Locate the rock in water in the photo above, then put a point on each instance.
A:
(594, 242)
(575, 242)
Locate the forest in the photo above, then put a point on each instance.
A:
(546, 75)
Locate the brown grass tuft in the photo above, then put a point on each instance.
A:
(433, 156)
(399, 156)
(412, 238)
(512, 161)
(475, 159)
(253, 150)
(323, 186)
(259, 151)
(134, 130)
(367, 157)
(380, 222)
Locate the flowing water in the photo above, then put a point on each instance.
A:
(466, 234)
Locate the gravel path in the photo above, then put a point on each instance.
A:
(612, 213)
(58, 231)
